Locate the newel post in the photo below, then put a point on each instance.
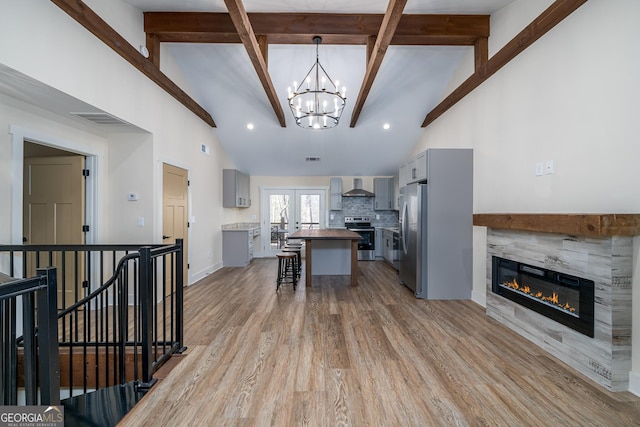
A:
(145, 280)
(180, 295)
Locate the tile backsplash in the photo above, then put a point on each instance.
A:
(361, 206)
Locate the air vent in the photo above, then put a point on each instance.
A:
(101, 118)
(312, 159)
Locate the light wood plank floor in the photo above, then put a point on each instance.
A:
(333, 355)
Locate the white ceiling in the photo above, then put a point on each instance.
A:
(410, 82)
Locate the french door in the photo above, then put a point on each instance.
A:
(285, 210)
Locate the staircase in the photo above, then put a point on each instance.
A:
(101, 349)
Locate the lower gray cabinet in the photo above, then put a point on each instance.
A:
(379, 244)
(237, 247)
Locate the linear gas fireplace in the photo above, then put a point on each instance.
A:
(564, 298)
(580, 248)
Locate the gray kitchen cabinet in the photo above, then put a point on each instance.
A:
(383, 189)
(235, 189)
(421, 167)
(237, 247)
(396, 192)
(415, 170)
(379, 247)
(335, 194)
(387, 246)
(406, 172)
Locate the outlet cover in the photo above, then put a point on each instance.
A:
(549, 167)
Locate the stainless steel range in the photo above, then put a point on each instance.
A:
(362, 226)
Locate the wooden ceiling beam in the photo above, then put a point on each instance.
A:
(387, 30)
(86, 17)
(299, 28)
(548, 19)
(245, 31)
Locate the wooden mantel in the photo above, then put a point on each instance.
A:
(593, 225)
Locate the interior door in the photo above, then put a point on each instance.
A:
(286, 210)
(53, 213)
(175, 200)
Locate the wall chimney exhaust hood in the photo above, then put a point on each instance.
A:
(357, 190)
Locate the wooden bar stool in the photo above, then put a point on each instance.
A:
(297, 250)
(287, 269)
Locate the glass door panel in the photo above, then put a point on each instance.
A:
(280, 217)
(286, 210)
(308, 209)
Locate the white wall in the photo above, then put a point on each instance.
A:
(58, 52)
(19, 120)
(572, 97)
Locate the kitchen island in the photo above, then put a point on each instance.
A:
(330, 252)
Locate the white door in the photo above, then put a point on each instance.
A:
(286, 210)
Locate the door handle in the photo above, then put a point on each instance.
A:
(165, 237)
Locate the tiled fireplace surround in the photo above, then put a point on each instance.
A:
(596, 247)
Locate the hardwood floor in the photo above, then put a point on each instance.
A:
(371, 355)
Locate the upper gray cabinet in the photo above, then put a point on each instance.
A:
(383, 189)
(335, 194)
(235, 189)
(415, 170)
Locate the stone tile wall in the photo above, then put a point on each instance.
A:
(361, 206)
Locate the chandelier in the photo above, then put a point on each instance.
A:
(317, 102)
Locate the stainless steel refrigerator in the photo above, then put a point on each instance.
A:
(436, 227)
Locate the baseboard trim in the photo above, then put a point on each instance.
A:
(479, 298)
(634, 383)
(196, 277)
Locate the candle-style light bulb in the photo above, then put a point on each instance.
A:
(323, 81)
(324, 106)
(295, 86)
(344, 91)
(308, 81)
(289, 91)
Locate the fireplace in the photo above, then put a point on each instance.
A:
(566, 299)
(596, 247)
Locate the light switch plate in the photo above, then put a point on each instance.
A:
(539, 167)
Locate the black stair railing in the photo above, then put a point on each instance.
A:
(126, 327)
(40, 343)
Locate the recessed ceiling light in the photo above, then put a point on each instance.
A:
(386, 126)
(250, 126)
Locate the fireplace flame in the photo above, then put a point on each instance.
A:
(552, 299)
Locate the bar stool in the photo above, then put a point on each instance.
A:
(287, 269)
(296, 250)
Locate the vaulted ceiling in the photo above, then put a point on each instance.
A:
(237, 58)
(396, 58)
